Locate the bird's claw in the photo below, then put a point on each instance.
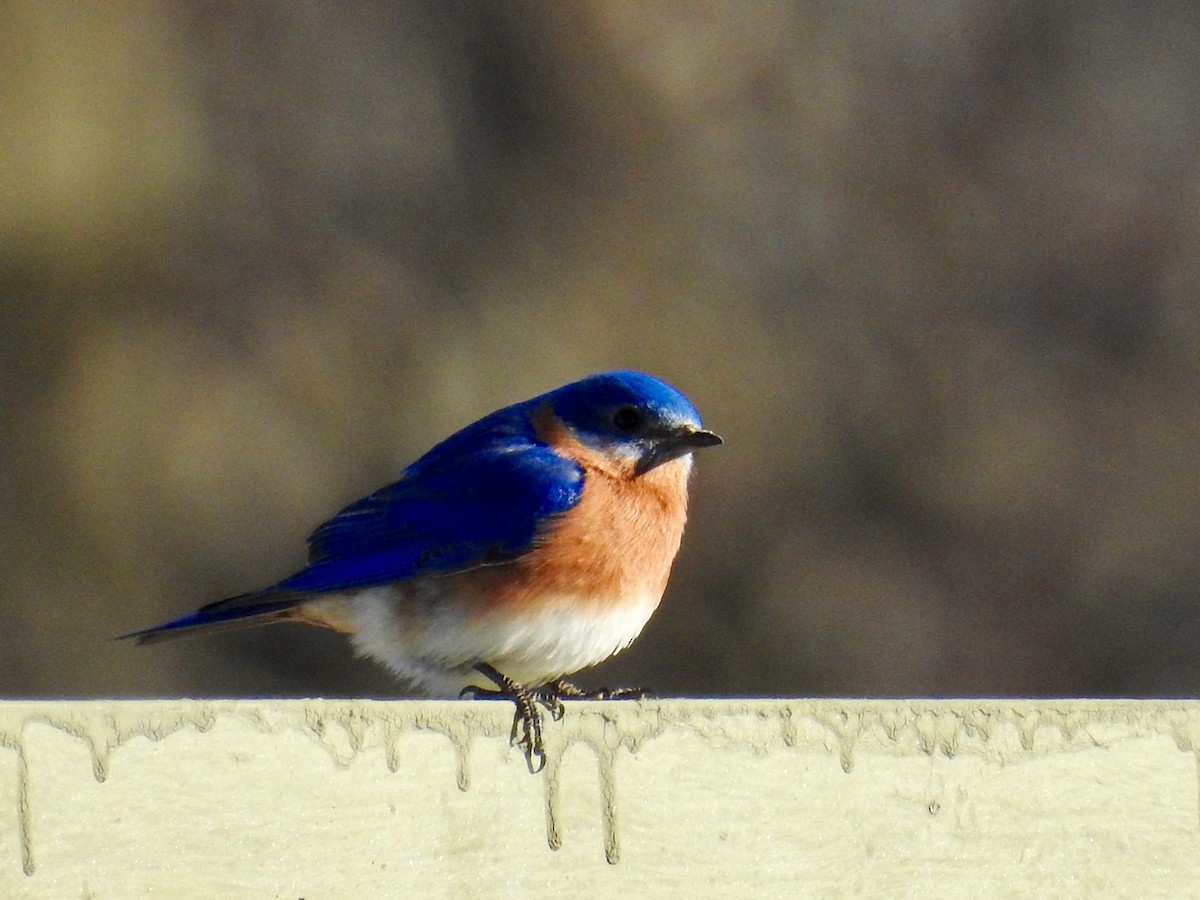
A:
(526, 731)
(567, 690)
(551, 699)
(530, 740)
(526, 718)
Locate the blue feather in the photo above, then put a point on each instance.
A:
(452, 513)
(483, 496)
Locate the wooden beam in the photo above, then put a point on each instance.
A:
(675, 798)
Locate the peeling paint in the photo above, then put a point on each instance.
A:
(999, 731)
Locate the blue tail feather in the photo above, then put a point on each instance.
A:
(256, 608)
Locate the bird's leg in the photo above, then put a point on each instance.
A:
(526, 715)
(548, 695)
(550, 698)
(565, 690)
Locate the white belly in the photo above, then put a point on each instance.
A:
(431, 640)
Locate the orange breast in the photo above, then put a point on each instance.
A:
(615, 546)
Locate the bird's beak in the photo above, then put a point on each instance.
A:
(674, 444)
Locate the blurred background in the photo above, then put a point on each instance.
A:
(932, 269)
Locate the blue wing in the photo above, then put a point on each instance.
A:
(485, 508)
(479, 498)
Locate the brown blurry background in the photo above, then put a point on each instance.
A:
(932, 269)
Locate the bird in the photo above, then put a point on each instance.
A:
(531, 544)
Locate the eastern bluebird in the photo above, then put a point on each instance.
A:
(533, 543)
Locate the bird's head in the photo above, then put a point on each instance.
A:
(631, 416)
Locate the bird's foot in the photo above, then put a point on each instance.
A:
(565, 690)
(527, 720)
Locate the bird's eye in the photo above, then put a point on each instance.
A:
(627, 418)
